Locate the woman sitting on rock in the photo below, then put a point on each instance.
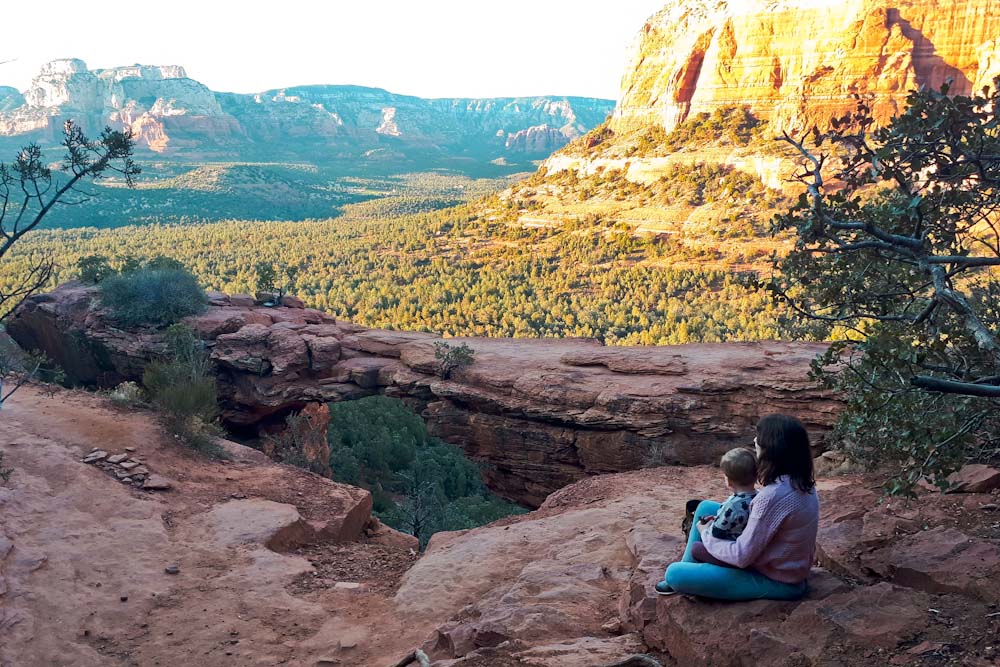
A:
(772, 557)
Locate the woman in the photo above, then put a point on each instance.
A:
(772, 558)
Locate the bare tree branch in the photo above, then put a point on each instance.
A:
(41, 190)
(953, 387)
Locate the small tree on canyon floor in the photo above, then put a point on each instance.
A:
(897, 249)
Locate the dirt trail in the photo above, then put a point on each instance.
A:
(83, 557)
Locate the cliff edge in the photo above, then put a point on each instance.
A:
(540, 413)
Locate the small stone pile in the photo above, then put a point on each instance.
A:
(127, 468)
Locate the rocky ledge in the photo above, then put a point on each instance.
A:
(540, 413)
(571, 584)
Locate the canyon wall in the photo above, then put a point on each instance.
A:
(797, 62)
(539, 414)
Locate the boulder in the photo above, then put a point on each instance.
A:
(244, 350)
(378, 533)
(242, 301)
(975, 478)
(287, 351)
(347, 511)
(941, 560)
(217, 321)
(277, 526)
(290, 301)
(882, 615)
(324, 353)
(217, 298)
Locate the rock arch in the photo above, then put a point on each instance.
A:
(539, 414)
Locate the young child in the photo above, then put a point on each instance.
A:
(740, 468)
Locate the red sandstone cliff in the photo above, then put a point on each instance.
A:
(796, 62)
(540, 413)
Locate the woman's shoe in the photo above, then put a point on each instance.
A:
(663, 588)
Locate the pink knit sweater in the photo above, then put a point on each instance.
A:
(780, 538)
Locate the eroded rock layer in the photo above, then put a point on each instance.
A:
(540, 413)
(797, 62)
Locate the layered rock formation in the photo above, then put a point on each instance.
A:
(283, 559)
(540, 413)
(797, 62)
(572, 583)
(158, 103)
(168, 111)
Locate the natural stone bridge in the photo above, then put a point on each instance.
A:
(540, 414)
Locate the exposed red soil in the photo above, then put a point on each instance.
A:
(83, 582)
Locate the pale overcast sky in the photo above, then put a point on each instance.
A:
(434, 48)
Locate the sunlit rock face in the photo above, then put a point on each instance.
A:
(141, 97)
(10, 98)
(167, 111)
(797, 62)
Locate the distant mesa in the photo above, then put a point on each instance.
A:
(170, 112)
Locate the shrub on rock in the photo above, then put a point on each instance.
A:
(94, 269)
(156, 295)
(183, 389)
(126, 394)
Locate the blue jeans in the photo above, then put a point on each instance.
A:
(724, 583)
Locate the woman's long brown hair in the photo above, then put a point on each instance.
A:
(784, 450)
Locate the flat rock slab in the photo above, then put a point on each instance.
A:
(582, 652)
(276, 526)
(157, 483)
(942, 560)
(975, 478)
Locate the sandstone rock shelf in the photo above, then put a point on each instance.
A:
(573, 581)
(95, 572)
(539, 413)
